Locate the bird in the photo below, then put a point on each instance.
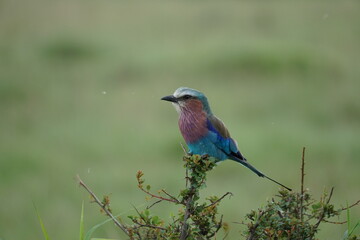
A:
(204, 133)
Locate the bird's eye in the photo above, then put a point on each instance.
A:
(186, 97)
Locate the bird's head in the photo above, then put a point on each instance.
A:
(184, 97)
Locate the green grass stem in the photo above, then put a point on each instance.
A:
(81, 233)
(43, 229)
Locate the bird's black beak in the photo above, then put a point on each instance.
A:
(170, 98)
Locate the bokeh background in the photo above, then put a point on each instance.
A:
(80, 89)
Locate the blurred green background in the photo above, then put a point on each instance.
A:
(80, 89)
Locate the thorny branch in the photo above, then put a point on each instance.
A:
(302, 184)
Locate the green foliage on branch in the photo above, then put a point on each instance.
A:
(288, 215)
(195, 220)
(294, 215)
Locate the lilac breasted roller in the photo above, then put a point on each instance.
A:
(204, 133)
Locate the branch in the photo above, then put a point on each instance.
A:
(103, 206)
(186, 171)
(148, 207)
(188, 208)
(217, 229)
(160, 197)
(139, 174)
(145, 225)
(327, 221)
(184, 149)
(352, 205)
(253, 230)
(183, 234)
(149, 226)
(302, 184)
(323, 212)
(215, 202)
(172, 197)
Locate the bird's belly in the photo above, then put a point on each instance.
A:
(205, 146)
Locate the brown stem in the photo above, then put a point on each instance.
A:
(160, 197)
(186, 172)
(222, 197)
(145, 225)
(184, 228)
(302, 184)
(158, 201)
(172, 197)
(103, 206)
(334, 222)
(253, 229)
(149, 226)
(184, 149)
(352, 205)
(217, 228)
(323, 212)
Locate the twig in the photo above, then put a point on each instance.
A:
(222, 197)
(241, 223)
(186, 171)
(149, 226)
(352, 205)
(138, 234)
(334, 222)
(140, 186)
(226, 235)
(254, 227)
(158, 201)
(103, 206)
(172, 197)
(184, 149)
(160, 197)
(145, 225)
(137, 211)
(302, 184)
(217, 229)
(323, 212)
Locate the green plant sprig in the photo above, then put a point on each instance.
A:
(195, 220)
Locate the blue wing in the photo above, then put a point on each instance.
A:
(220, 140)
(220, 137)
